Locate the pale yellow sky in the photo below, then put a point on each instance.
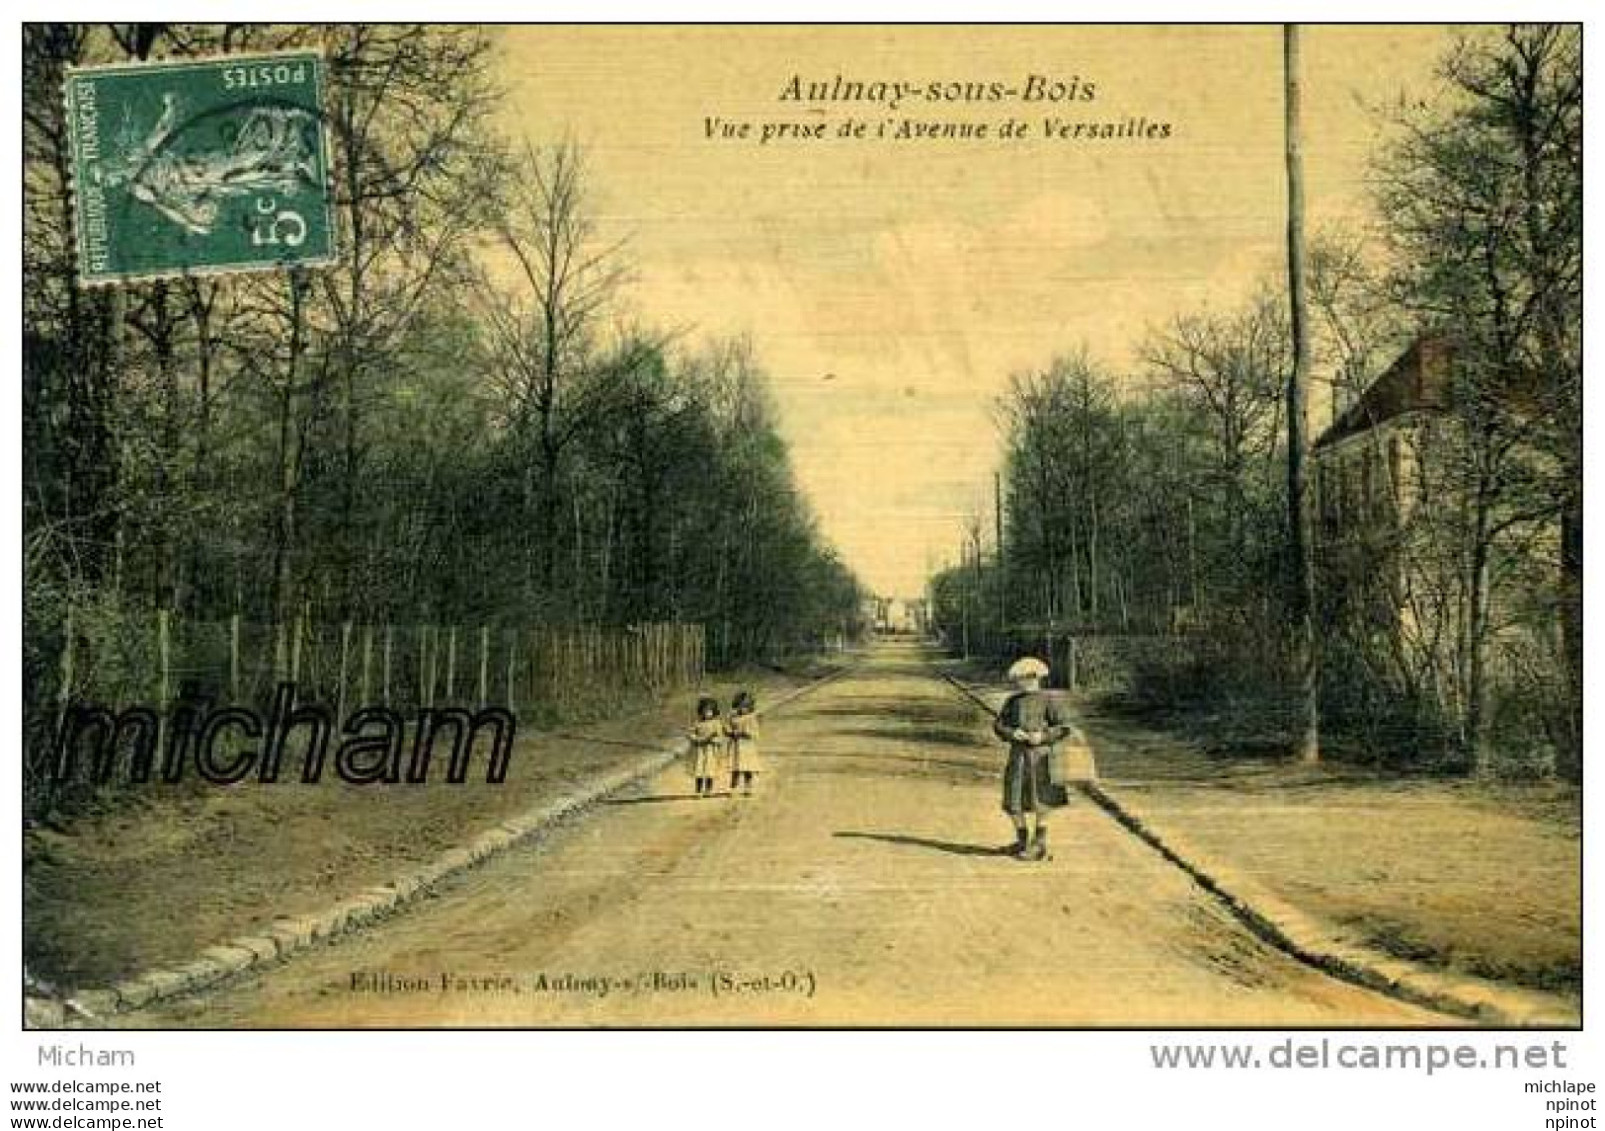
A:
(922, 273)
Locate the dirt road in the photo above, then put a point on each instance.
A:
(861, 887)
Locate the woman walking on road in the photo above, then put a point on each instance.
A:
(1031, 723)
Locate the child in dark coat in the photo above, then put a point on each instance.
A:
(1031, 722)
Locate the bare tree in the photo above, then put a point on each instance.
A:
(415, 174)
(545, 328)
(1483, 198)
(1229, 369)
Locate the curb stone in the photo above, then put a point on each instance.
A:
(290, 934)
(130, 994)
(43, 1013)
(165, 983)
(1299, 936)
(97, 1003)
(1295, 933)
(231, 958)
(285, 939)
(263, 948)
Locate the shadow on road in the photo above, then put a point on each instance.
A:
(926, 735)
(910, 710)
(653, 799)
(948, 846)
(816, 762)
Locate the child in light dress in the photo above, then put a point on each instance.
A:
(742, 729)
(705, 745)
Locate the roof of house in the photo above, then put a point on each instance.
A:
(1417, 381)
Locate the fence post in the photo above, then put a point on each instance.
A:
(484, 663)
(64, 692)
(537, 657)
(295, 649)
(426, 672)
(451, 665)
(512, 665)
(1070, 662)
(386, 690)
(234, 658)
(345, 648)
(367, 654)
(164, 680)
(420, 635)
(164, 653)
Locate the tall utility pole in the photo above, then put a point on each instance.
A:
(964, 594)
(1003, 564)
(975, 578)
(1306, 654)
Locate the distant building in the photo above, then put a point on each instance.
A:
(897, 615)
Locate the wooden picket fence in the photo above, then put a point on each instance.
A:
(156, 658)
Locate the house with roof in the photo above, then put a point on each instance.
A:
(1368, 462)
(1395, 480)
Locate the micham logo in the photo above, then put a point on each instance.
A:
(229, 745)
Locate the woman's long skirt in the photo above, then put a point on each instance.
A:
(1027, 786)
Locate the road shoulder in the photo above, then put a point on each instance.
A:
(232, 880)
(1405, 887)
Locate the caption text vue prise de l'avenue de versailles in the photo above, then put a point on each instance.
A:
(888, 104)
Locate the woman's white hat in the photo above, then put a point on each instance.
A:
(1028, 667)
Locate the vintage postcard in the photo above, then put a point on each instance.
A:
(567, 526)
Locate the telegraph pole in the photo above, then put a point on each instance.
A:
(975, 573)
(1307, 735)
(1003, 567)
(964, 595)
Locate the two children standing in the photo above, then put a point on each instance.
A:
(718, 745)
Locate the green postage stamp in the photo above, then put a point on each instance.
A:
(193, 167)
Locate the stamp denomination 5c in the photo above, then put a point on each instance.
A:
(199, 166)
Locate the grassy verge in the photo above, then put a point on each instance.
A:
(156, 874)
(1473, 877)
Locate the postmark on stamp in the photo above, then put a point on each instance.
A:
(193, 167)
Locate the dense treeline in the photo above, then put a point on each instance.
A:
(452, 425)
(1152, 503)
